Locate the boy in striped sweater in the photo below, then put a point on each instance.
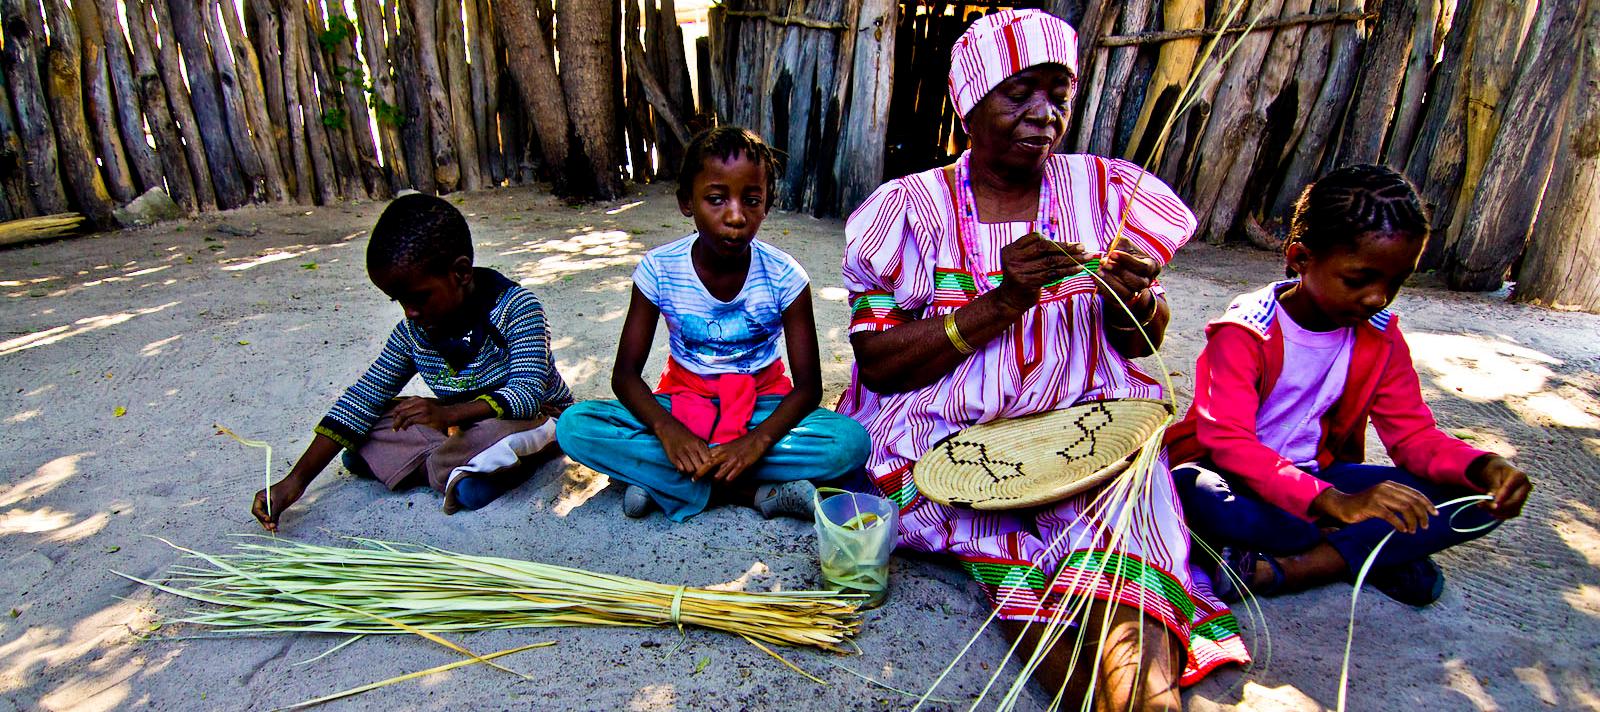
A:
(480, 343)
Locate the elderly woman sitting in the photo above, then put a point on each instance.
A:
(971, 303)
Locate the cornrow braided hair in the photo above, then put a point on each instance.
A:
(724, 143)
(1351, 201)
(418, 231)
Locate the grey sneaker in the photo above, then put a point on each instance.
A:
(636, 502)
(794, 499)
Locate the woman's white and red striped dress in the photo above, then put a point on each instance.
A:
(904, 260)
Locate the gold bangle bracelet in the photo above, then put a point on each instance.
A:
(954, 334)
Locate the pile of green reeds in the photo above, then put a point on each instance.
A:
(384, 588)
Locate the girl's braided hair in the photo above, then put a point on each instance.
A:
(1334, 211)
(725, 142)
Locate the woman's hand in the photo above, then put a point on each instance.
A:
(1405, 508)
(1128, 275)
(1498, 477)
(1031, 262)
(735, 458)
(685, 450)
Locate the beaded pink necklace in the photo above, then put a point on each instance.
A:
(967, 226)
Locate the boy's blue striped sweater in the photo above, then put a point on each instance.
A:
(513, 369)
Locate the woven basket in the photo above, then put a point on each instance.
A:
(1037, 459)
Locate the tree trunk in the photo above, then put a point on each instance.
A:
(416, 132)
(322, 182)
(458, 85)
(153, 104)
(13, 179)
(240, 131)
(494, 139)
(1498, 29)
(1559, 268)
(1507, 201)
(266, 29)
(142, 159)
(1306, 164)
(862, 138)
(530, 58)
(1409, 108)
(1135, 18)
(1232, 118)
(1236, 197)
(370, 17)
(98, 110)
(183, 16)
(587, 64)
(19, 55)
(1382, 70)
(478, 82)
(157, 24)
(424, 20)
(249, 92)
(63, 77)
(1439, 151)
(349, 83)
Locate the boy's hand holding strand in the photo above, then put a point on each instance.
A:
(428, 411)
(1401, 506)
(1498, 477)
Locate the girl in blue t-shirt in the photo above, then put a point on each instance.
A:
(724, 422)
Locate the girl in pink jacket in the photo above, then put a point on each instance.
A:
(1284, 388)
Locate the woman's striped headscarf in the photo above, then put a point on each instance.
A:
(1000, 45)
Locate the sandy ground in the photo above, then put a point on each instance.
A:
(258, 318)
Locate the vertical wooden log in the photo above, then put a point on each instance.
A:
(862, 139)
(246, 144)
(1306, 163)
(153, 103)
(265, 21)
(178, 100)
(1438, 154)
(1413, 89)
(1372, 106)
(1235, 197)
(183, 16)
(1135, 16)
(250, 89)
(1498, 28)
(531, 59)
(348, 82)
(13, 177)
(514, 142)
(416, 131)
(298, 43)
(335, 123)
(64, 90)
(641, 131)
(424, 19)
(478, 82)
(458, 82)
(493, 66)
(19, 55)
(369, 16)
(142, 159)
(1514, 176)
(717, 43)
(1559, 268)
(98, 109)
(1310, 69)
(305, 183)
(1232, 118)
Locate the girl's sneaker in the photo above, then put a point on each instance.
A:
(636, 502)
(1418, 583)
(794, 499)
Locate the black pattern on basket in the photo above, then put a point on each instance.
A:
(1090, 422)
(983, 460)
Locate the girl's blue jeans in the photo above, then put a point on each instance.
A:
(1223, 511)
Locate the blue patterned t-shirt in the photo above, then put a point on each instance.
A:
(710, 336)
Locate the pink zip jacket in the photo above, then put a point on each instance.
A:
(1240, 364)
